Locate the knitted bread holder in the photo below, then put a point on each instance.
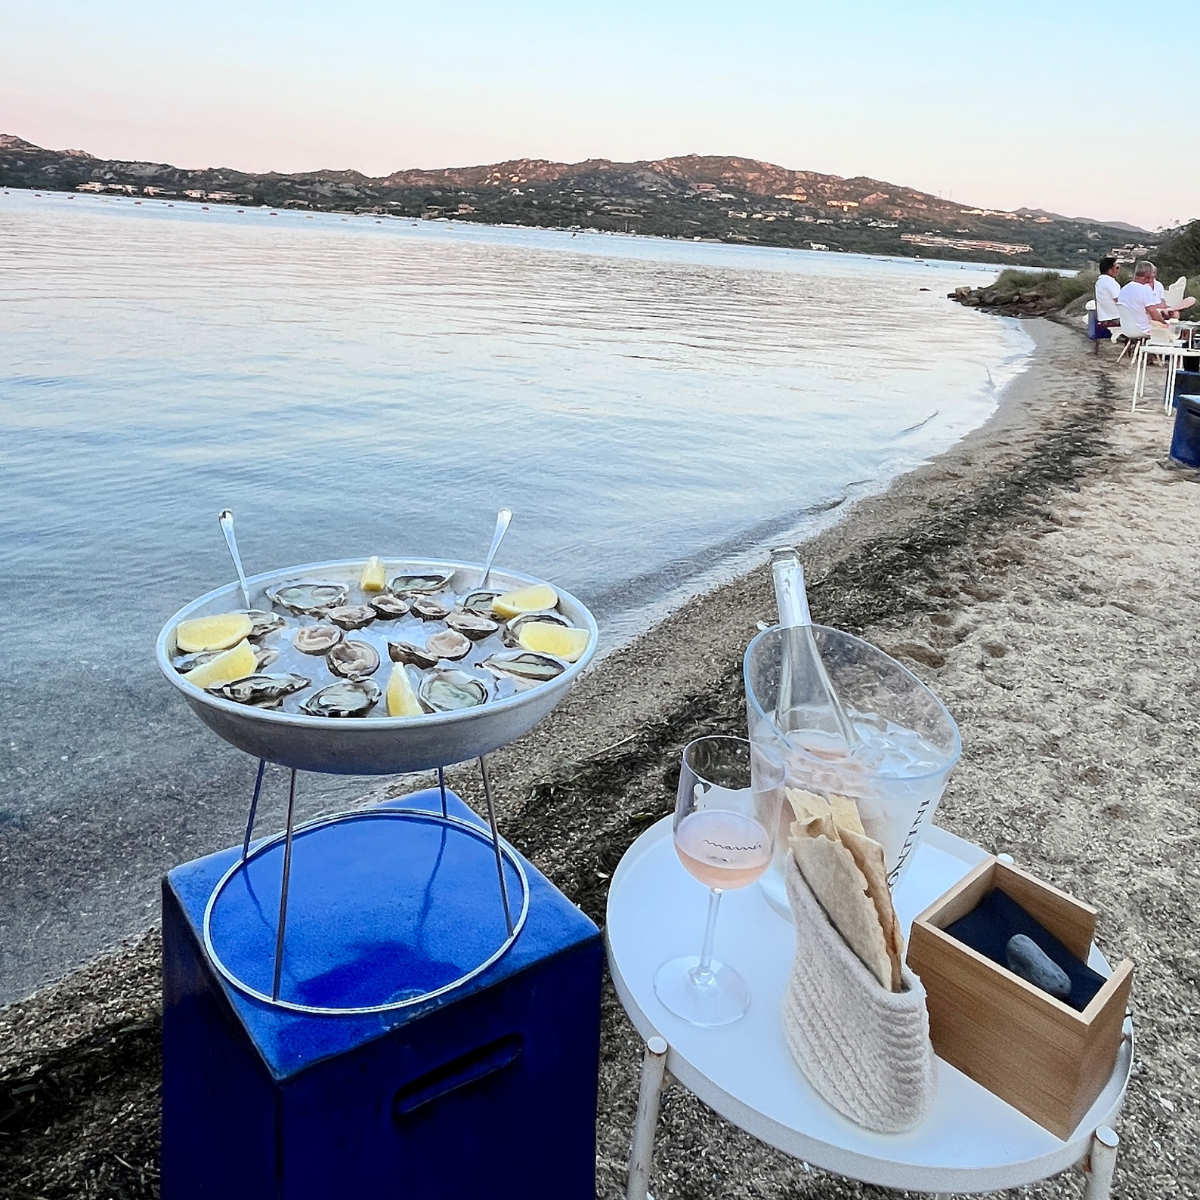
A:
(864, 1048)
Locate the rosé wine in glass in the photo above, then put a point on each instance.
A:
(722, 849)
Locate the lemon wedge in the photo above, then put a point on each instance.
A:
(374, 578)
(538, 598)
(558, 640)
(212, 633)
(401, 699)
(225, 668)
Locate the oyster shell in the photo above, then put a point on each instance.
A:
(316, 639)
(308, 599)
(262, 622)
(429, 609)
(472, 625)
(388, 607)
(449, 691)
(512, 630)
(353, 660)
(346, 698)
(260, 689)
(448, 644)
(479, 603)
(265, 656)
(351, 616)
(526, 667)
(190, 661)
(406, 652)
(424, 584)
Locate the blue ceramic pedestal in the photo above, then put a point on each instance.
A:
(487, 1092)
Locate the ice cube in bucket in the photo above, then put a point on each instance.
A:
(909, 742)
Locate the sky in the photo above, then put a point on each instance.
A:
(997, 106)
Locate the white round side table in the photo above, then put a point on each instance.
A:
(972, 1142)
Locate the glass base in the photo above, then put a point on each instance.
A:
(719, 1000)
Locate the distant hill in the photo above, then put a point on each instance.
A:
(701, 197)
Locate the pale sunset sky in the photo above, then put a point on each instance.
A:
(1063, 106)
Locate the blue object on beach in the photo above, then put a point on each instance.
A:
(1096, 331)
(488, 1090)
(1185, 441)
(1187, 383)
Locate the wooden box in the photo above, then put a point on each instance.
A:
(1030, 1049)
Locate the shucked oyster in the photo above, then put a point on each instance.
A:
(262, 622)
(429, 609)
(527, 668)
(406, 652)
(351, 616)
(347, 698)
(449, 691)
(448, 644)
(479, 603)
(472, 625)
(426, 584)
(353, 660)
(260, 689)
(316, 639)
(265, 656)
(388, 607)
(308, 599)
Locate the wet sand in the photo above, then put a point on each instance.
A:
(1041, 576)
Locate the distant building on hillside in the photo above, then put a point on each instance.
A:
(955, 243)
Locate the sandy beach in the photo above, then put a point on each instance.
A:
(1041, 576)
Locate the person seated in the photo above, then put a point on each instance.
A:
(1107, 290)
(1160, 292)
(1139, 297)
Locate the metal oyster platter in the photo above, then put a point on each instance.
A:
(437, 630)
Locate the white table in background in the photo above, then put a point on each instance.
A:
(972, 1142)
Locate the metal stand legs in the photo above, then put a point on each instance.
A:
(262, 766)
(285, 883)
(491, 812)
(283, 889)
(641, 1153)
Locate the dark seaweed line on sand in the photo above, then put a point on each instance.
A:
(884, 579)
(84, 1120)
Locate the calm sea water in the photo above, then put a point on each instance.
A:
(653, 412)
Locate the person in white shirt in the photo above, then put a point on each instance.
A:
(1139, 297)
(1161, 295)
(1107, 290)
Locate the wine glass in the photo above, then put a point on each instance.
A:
(726, 815)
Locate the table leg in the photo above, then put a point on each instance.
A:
(641, 1153)
(1100, 1164)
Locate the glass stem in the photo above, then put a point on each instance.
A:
(702, 973)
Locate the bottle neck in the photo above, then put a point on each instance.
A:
(791, 597)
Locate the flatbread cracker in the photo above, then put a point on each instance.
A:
(841, 887)
(845, 814)
(868, 857)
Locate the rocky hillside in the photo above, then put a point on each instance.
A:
(704, 197)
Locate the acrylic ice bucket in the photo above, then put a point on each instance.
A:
(911, 742)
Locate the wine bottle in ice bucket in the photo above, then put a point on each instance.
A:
(846, 720)
(807, 703)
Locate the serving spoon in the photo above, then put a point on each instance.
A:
(226, 522)
(503, 520)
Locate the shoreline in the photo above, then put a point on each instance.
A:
(1030, 576)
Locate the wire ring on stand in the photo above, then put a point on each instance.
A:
(419, 814)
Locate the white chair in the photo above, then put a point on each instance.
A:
(1131, 331)
(1173, 297)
